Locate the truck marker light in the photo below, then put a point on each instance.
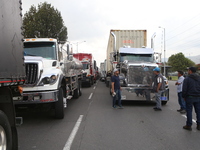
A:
(20, 89)
(46, 100)
(33, 39)
(50, 39)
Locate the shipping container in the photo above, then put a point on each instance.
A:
(125, 38)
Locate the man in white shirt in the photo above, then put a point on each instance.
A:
(179, 84)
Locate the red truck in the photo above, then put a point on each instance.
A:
(89, 68)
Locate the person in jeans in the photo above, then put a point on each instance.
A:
(116, 89)
(191, 94)
(179, 84)
(158, 87)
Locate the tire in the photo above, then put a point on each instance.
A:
(80, 88)
(59, 106)
(76, 93)
(15, 138)
(90, 83)
(5, 132)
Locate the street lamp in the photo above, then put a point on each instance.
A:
(79, 43)
(164, 49)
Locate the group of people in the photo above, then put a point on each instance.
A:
(188, 90)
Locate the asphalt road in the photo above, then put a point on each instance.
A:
(136, 127)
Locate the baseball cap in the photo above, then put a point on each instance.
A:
(193, 69)
(156, 69)
(115, 70)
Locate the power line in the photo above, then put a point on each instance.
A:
(183, 32)
(184, 23)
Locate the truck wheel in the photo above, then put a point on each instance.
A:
(5, 132)
(80, 88)
(90, 83)
(76, 93)
(59, 106)
(14, 138)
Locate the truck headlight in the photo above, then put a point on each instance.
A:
(48, 80)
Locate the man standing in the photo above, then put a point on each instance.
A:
(191, 94)
(116, 88)
(179, 84)
(158, 87)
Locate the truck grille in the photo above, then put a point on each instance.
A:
(31, 73)
(140, 75)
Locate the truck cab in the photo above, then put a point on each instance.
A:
(51, 78)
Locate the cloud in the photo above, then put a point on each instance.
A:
(91, 21)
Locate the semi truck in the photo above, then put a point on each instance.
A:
(89, 68)
(127, 52)
(53, 75)
(102, 71)
(12, 70)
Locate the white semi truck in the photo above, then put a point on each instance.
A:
(127, 52)
(53, 75)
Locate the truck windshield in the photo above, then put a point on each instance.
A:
(43, 49)
(137, 57)
(85, 66)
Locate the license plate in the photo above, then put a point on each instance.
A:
(123, 96)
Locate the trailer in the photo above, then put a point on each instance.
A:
(12, 71)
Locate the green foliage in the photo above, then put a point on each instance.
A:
(44, 22)
(179, 62)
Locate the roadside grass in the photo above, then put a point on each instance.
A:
(174, 77)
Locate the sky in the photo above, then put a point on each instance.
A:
(89, 23)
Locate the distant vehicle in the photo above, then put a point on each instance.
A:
(102, 72)
(127, 52)
(89, 68)
(12, 70)
(53, 75)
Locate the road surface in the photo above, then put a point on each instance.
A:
(91, 123)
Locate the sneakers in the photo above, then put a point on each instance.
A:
(183, 111)
(186, 127)
(157, 109)
(114, 106)
(121, 107)
(179, 110)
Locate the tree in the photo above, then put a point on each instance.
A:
(179, 62)
(44, 22)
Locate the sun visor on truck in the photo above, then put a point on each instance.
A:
(136, 50)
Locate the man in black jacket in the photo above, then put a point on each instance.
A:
(191, 94)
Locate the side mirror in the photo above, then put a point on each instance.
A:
(70, 57)
(69, 50)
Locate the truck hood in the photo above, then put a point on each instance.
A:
(142, 64)
(46, 63)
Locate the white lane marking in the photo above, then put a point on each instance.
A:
(73, 133)
(90, 96)
(192, 119)
(94, 88)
